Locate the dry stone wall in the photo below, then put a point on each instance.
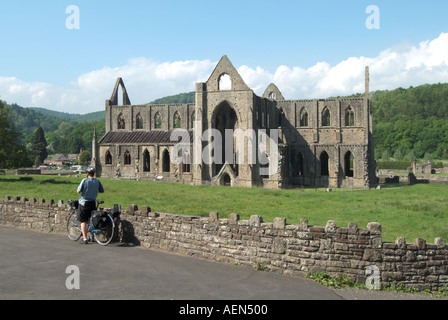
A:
(276, 246)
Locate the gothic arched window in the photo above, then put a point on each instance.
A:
(193, 119)
(158, 121)
(127, 158)
(186, 162)
(304, 118)
(121, 122)
(349, 117)
(146, 161)
(349, 161)
(139, 122)
(225, 82)
(326, 118)
(166, 161)
(324, 164)
(300, 165)
(177, 120)
(108, 157)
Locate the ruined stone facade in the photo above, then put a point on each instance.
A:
(321, 143)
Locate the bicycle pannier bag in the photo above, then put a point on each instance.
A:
(99, 219)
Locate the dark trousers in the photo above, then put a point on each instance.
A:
(85, 211)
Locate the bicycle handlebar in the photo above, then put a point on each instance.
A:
(74, 206)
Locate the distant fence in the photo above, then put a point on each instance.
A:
(28, 172)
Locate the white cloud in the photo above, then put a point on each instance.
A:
(147, 80)
(402, 66)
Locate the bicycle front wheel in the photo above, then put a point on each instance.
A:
(106, 233)
(73, 227)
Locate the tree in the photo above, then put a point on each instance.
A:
(398, 155)
(84, 158)
(12, 153)
(411, 156)
(385, 156)
(39, 146)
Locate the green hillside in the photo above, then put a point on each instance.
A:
(177, 99)
(64, 132)
(90, 117)
(411, 123)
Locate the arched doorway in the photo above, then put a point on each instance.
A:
(226, 180)
(226, 119)
(166, 161)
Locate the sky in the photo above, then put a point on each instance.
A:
(68, 60)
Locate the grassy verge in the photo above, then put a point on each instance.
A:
(342, 282)
(412, 212)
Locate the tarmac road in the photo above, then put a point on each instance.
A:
(33, 266)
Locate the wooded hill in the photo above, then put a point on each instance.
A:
(411, 122)
(407, 123)
(65, 133)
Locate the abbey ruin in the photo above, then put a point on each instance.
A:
(307, 143)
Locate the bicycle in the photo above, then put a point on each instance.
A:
(101, 225)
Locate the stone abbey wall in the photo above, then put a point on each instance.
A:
(325, 142)
(276, 246)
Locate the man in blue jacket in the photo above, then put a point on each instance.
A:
(89, 189)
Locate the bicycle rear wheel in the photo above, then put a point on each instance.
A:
(73, 227)
(106, 233)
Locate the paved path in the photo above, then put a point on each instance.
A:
(33, 266)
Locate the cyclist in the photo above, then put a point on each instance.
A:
(89, 189)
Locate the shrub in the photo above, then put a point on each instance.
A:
(397, 165)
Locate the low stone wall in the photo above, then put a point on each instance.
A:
(385, 177)
(277, 246)
(21, 172)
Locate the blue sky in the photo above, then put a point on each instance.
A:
(42, 63)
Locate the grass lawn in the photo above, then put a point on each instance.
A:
(419, 211)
